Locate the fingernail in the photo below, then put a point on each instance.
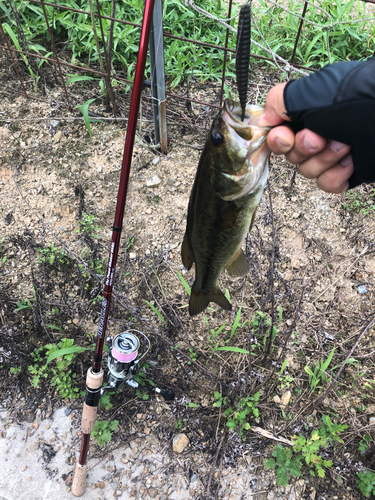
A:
(284, 145)
(347, 160)
(336, 146)
(309, 144)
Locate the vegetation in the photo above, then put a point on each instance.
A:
(102, 432)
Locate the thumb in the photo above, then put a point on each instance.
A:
(274, 111)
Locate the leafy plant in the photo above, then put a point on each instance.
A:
(245, 408)
(366, 483)
(3, 258)
(286, 464)
(364, 444)
(158, 314)
(87, 226)
(15, 370)
(306, 449)
(51, 255)
(61, 375)
(359, 201)
(23, 304)
(319, 376)
(102, 432)
(105, 400)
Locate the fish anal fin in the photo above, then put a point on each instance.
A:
(187, 260)
(199, 300)
(252, 219)
(238, 266)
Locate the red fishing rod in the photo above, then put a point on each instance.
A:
(124, 347)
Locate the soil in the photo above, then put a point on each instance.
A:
(312, 258)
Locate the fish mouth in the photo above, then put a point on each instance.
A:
(233, 111)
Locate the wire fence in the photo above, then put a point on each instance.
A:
(21, 51)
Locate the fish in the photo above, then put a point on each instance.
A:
(230, 179)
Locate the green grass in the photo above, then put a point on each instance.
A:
(351, 35)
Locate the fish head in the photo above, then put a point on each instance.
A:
(239, 151)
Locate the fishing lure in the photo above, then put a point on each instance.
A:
(243, 54)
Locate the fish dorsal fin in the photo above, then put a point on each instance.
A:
(239, 265)
(199, 300)
(185, 254)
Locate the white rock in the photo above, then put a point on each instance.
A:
(285, 398)
(132, 255)
(153, 182)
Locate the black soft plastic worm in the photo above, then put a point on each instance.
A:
(243, 54)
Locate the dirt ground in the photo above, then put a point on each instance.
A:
(312, 260)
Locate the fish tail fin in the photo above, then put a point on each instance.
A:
(238, 266)
(185, 254)
(199, 300)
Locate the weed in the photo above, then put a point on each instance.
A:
(141, 378)
(286, 464)
(245, 408)
(105, 401)
(23, 304)
(178, 424)
(51, 255)
(102, 432)
(87, 226)
(193, 356)
(364, 444)
(366, 483)
(319, 376)
(306, 449)
(158, 314)
(61, 376)
(358, 201)
(3, 258)
(15, 370)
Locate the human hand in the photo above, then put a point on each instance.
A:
(329, 162)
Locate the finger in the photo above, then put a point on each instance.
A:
(280, 140)
(307, 144)
(319, 163)
(335, 179)
(274, 111)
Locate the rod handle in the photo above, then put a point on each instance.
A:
(79, 481)
(167, 395)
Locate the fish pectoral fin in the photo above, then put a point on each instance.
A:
(199, 300)
(239, 265)
(185, 254)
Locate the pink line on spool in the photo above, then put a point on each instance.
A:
(125, 358)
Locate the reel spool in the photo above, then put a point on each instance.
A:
(123, 351)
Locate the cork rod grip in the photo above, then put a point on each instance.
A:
(79, 481)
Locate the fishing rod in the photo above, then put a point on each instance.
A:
(123, 349)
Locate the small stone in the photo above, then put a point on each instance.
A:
(153, 182)
(152, 492)
(276, 400)
(193, 478)
(362, 289)
(171, 181)
(132, 255)
(24, 468)
(285, 398)
(55, 123)
(75, 321)
(139, 416)
(57, 136)
(147, 252)
(35, 425)
(372, 420)
(180, 442)
(69, 481)
(101, 485)
(67, 411)
(155, 161)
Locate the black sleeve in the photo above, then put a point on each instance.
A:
(338, 102)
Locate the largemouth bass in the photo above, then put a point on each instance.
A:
(229, 183)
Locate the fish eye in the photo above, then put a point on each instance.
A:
(216, 138)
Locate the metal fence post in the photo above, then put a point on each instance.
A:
(158, 77)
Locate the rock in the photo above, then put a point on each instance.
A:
(372, 420)
(57, 136)
(152, 492)
(171, 181)
(35, 425)
(285, 398)
(132, 255)
(55, 123)
(276, 399)
(155, 161)
(180, 442)
(75, 321)
(68, 411)
(153, 182)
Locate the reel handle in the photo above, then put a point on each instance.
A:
(167, 395)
